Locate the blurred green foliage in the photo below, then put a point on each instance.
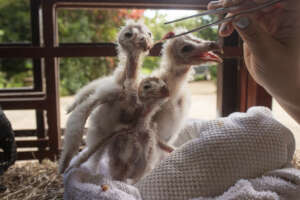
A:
(15, 28)
(84, 26)
(213, 71)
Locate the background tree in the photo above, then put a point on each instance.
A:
(14, 27)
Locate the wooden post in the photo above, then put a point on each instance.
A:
(35, 6)
(227, 78)
(237, 91)
(52, 79)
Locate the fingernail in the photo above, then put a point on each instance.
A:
(214, 4)
(242, 22)
(227, 3)
(224, 29)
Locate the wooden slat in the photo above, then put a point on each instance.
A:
(227, 100)
(32, 132)
(13, 90)
(32, 143)
(64, 51)
(232, 52)
(161, 4)
(250, 93)
(52, 78)
(36, 41)
(40, 124)
(53, 109)
(243, 87)
(22, 95)
(227, 79)
(25, 133)
(257, 95)
(85, 50)
(24, 44)
(22, 103)
(32, 155)
(38, 84)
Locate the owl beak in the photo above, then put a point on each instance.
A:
(164, 91)
(206, 53)
(145, 43)
(210, 56)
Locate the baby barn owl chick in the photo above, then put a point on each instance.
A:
(135, 150)
(134, 42)
(179, 54)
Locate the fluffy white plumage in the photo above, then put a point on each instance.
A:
(138, 46)
(179, 54)
(134, 42)
(133, 151)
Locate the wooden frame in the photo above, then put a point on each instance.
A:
(236, 91)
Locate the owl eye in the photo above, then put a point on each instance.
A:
(128, 34)
(187, 48)
(146, 87)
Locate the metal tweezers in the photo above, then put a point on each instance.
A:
(221, 11)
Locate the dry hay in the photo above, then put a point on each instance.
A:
(32, 181)
(35, 181)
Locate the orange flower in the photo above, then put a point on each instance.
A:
(136, 14)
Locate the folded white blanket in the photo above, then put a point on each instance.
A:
(228, 153)
(82, 184)
(282, 184)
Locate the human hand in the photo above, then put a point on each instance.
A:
(271, 47)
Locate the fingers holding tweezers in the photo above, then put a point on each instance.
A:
(239, 5)
(226, 28)
(235, 9)
(223, 3)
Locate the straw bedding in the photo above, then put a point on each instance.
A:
(40, 181)
(32, 181)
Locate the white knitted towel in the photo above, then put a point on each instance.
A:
(282, 184)
(226, 150)
(240, 146)
(82, 184)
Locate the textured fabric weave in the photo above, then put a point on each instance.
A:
(240, 146)
(82, 184)
(227, 154)
(282, 184)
